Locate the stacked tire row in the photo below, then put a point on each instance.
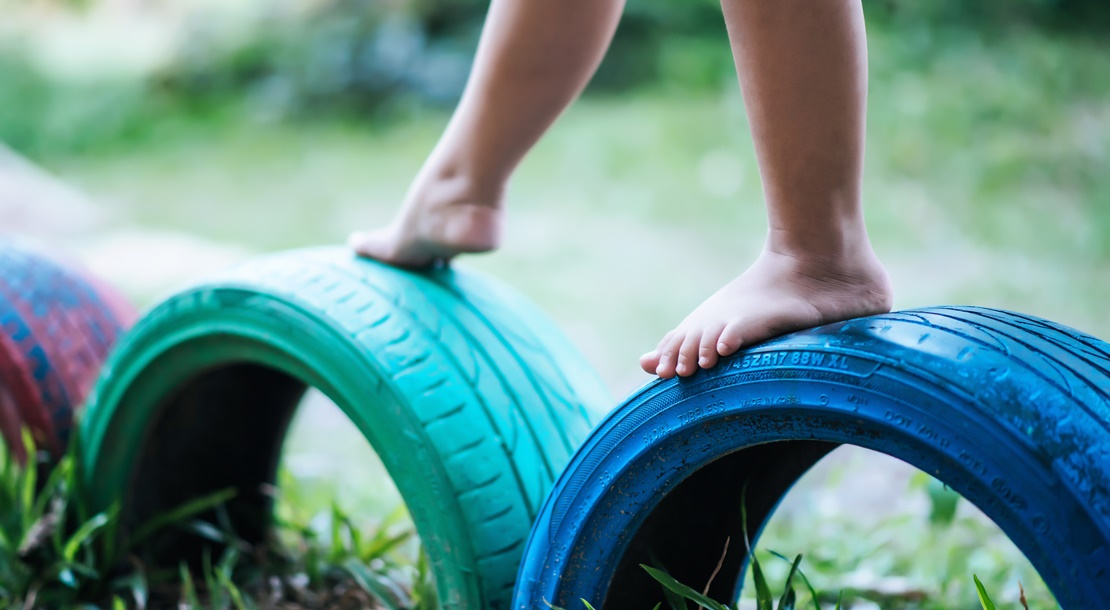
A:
(482, 415)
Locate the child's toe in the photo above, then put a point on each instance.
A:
(669, 357)
(707, 350)
(688, 354)
(732, 337)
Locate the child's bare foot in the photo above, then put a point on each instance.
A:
(441, 218)
(778, 294)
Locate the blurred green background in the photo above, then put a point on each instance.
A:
(195, 133)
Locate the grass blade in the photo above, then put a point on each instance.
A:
(373, 585)
(181, 513)
(211, 583)
(188, 589)
(788, 586)
(336, 554)
(674, 600)
(84, 570)
(763, 599)
(236, 596)
(788, 600)
(984, 599)
(110, 535)
(353, 535)
(380, 545)
(28, 478)
(744, 517)
(83, 533)
(670, 583)
(813, 595)
(54, 484)
(228, 561)
(207, 531)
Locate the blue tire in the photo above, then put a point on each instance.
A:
(1009, 410)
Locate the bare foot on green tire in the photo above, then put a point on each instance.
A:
(439, 220)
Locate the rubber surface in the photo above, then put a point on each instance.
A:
(471, 398)
(58, 326)
(1009, 410)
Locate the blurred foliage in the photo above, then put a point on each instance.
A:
(371, 58)
(43, 115)
(356, 55)
(1073, 15)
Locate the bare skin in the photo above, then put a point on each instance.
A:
(534, 58)
(803, 71)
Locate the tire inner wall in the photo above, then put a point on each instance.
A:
(223, 428)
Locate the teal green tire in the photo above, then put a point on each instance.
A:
(470, 396)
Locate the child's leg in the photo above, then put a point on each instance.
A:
(534, 58)
(803, 70)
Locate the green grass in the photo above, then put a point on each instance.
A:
(901, 558)
(55, 554)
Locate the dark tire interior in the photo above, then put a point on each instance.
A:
(686, 532)
(224, 428)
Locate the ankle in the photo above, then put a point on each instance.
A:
(832, 281)
(445, 182)
(853, 263)
(845, 245)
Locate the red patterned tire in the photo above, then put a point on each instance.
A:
(57, 325)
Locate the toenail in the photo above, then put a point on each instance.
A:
(703, 361)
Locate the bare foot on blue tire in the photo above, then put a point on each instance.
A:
(780, 293)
